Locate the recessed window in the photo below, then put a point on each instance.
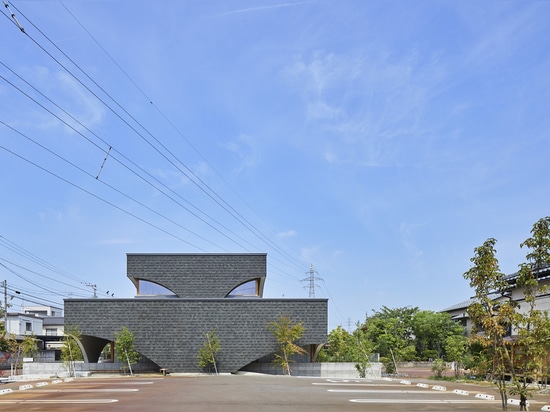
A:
(147, 288)
(28, 326)
(245, 289)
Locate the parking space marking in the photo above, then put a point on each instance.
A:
(83, 390)
(386, 391)
(423, 401)
(63, 401)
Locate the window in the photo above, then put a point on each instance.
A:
(148, 288)
(51, 332)
(28, 327)
(249, 288)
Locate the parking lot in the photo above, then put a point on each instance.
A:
(250, 392)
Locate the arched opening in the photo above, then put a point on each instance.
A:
(246, 289)
(148, 288)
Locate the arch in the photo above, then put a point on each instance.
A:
(91, 347)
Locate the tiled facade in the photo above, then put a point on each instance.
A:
(169, 331)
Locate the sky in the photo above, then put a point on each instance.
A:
(379, 141)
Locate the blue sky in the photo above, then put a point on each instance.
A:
(379, 141)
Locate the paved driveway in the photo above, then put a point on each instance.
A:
(232, 393)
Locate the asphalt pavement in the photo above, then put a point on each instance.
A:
(251, 392)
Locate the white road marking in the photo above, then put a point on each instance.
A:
(376, 385)
(424, 401)
(83, 390)
(388, 391)
(64, 401)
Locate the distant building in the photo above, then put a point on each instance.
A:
(22, 324)
(180, 297)
(459, 311)
(42, 310)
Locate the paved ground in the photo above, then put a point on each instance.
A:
(232, 393)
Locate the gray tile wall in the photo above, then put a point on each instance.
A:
(198, 275)
(170, 331)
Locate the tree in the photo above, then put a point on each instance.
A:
(70, 351)
(456, 348)
(286, 332)
(532, 325)
(338, 345)
(430, 330)
(361, 349)
(208, 351)
(491, 312)
(343, 346)
(124, 348)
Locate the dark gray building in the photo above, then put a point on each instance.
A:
(180, 297)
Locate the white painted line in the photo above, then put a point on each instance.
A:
(25, 387)
(55, 382)
(4, 391)
(422, 385)
(69, 379)
(461, 392)
(84, 390)
(418, 392)
(439, 388)
(62, 401)
(376, 385)
(41, 384)
(405, 382)
(485, 396)
(422, 401)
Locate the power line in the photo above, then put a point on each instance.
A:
(205, 188)
(208, 193)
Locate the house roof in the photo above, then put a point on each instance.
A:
(54, 320)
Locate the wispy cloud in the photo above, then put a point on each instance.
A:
(409, 242)
(262, 8)
(245, 149)
(90, 111)
(368, 109)
(286, 234)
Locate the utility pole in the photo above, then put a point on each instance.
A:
(311, 279)
(94, 288)
(5, 306)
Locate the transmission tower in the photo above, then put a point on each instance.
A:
(311, 279)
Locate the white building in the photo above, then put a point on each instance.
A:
(42, 310)
(21, 324)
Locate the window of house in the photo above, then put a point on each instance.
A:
(249, 288)
(51, 332)
(147, 288)
(28, 326)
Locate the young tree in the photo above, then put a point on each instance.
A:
(492, 312)
(286, 332)
(361, 348)
(29, 347)
(455, 349)
(208, 351)
(124, 348)
(70, 351)
(532, 325)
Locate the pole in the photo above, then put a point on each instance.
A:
(5, 306)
